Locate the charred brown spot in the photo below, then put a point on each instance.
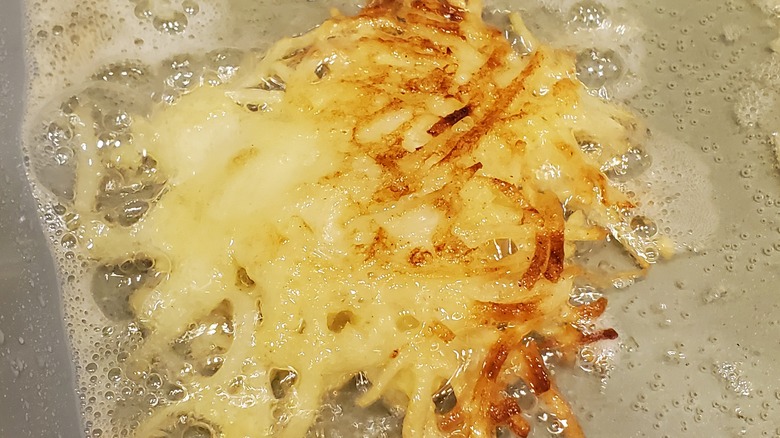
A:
(518, 426)
(380, 244)
(394, 354)
(443, 203)
(398, 185)
(420, 257)
(471, 171)
(501, 412)
(449, 121)
(453, 249)
(443, 26)
(381, 7)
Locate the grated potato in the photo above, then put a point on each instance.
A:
(395, 194)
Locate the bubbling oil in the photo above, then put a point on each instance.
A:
(97, 68)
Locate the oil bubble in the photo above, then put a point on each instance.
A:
(523, 395)
(588, 15)
(175, 24)
(143, 9)
(69, 241)
(584, 295)
(63, 155)
(125, 73)
(627, 166)
(58, 134)
(596, 69)
(644, 227)
(115, 374)
(190, 7)
(591, 148)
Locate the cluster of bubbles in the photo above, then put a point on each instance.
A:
(341, 417)
(605, 67)
(608, 69)
(183, 74)
(732, 375)
(595, 69)
(545, 423)
(121, 392)
(96, 122)
(755, 105)
(167, 17)
(674, 187)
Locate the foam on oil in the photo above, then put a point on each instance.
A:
(100, 65)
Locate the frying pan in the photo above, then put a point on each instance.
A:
(700, 336)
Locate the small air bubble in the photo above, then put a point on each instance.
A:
(143, 9)
(115, 374)
(190, 7)
(69, 241)
(59, 209)
(154, 381)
